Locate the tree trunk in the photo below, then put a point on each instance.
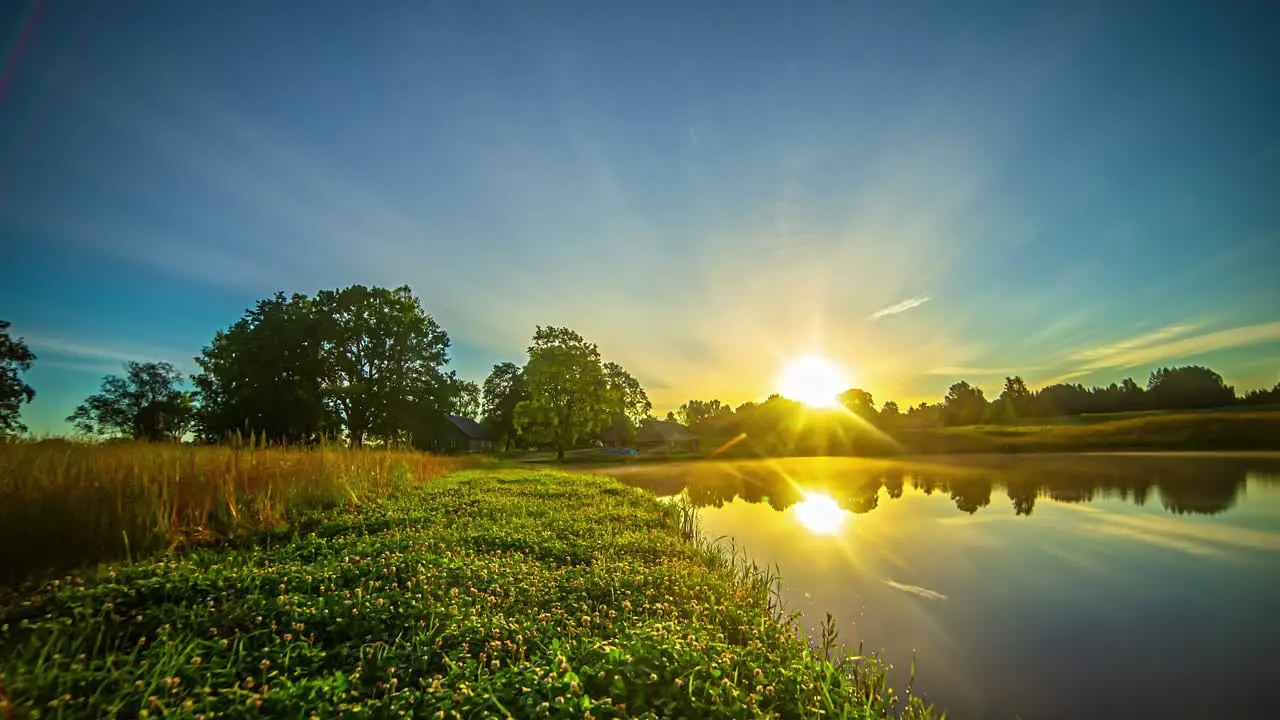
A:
(559, 453)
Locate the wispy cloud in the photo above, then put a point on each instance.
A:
(1104, 354)
(923, 592)
(1170, 343)
(87, 367)
(901, 307)
(108, 352)
(980, 371)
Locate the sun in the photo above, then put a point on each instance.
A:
(814, 381)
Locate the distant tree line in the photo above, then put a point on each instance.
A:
(1181, 388)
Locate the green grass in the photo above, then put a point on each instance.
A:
(64, 504)
(598, 456)
(527, 593)
(1220, 430)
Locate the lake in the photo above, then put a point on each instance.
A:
(1047, 586)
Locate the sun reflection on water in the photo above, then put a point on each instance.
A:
(819, 514)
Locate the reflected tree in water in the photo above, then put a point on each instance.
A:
(1023, 496)
(1185, 485)
(971, 494)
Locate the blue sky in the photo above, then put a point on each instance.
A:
(704, 189)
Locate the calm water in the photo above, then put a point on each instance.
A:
(1028, 587)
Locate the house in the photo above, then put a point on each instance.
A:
(462, 434)
(666, 435)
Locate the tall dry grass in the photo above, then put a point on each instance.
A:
(66, 504)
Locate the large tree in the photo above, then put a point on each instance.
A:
(504, 389)
(569, 390)
(262, 376)
(628, 404)
(1015, 399)
(702, 414)
(383, 360)
(964, 404)
(859, 402)
(890, 414)
(15, 359)
(146, 404)
(1188, 387)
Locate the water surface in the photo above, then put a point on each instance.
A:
(1027, 587)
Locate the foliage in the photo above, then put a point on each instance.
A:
(627, 401)
(1014, 401)
(467, 403)
(364, 362)
(1262, 397)
(1066, 399)
(701, 415)
(64, 504)
(964, 404)
(859, 402)
(511, 594)
(145, 404)
(262, 376)
(889, 413)
(504, 389)
(573, 394)
(1189, 387)
(15, 359)
(383, 360)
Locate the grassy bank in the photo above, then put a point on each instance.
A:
(1157, 431)
(505, 593)
(1163, 431)
(64, 504)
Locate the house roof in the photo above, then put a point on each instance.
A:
(469, 427)
(663, 430)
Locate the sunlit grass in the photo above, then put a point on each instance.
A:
(491, 593)
(1182, 430)
(65, 504)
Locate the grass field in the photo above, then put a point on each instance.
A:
(64, 504)
(1163, 431)
(525, 593)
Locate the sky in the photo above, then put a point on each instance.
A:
(922, 192)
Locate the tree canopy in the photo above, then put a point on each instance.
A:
(1189, 387)
(572, 393)
(15, 359)
(503, 390)
(262, 376)
(383, 360)
(701, 414)
(859, 402)
(357, 362)
(964, 404)
(145, 404)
